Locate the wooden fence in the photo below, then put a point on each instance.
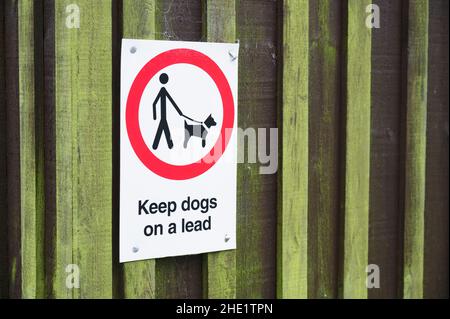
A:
(363, 155)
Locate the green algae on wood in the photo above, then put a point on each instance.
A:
(292, 257)
(357, 150)
(31, 164)
(83, 107)
(415, 154)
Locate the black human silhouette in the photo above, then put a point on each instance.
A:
(163, 126)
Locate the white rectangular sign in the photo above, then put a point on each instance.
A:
(177, 148)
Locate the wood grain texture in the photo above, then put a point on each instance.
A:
(139, 19)
(292, 271)
(385, 166)
(31, 169)
(324, 147)
(357, 150)
(3, 168)
(139, 22)
(181, 20)
(416, 120)
(256, 193)
(83, 105)
(219, 270)
(436, 268)
(49, 143)
(13, 148)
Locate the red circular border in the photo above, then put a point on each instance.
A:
(165, 59)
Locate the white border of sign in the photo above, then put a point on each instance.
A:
(138, 183)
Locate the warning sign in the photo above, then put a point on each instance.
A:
(178, 148)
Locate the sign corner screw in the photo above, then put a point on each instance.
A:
(233, 57)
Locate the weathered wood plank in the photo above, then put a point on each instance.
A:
(436, 267)
(416, 120)
(324, 144)
(181, 20)
(31, 169)
(139, 22)
(83, 149)
(219, 269)
(357, 150)
(3, 172)
(292, 272)
(49, 143)
(139, 19)
(256, 193)
(13, 148)
(25, 197)
(384, 215)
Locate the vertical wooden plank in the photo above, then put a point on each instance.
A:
(84, 149)
(416, 119)
(49, 146)
(357, 153)
(65, 63)
(219, 269)
(324, 147)
(180, 277)
(3, 175)
(384, 219)
(13, 148)
(39, 142)
(25, 197)
(436, 268)
(257, 32)
(292, 272)
(139, 19)
(139, 22)
(31, 169)
(118, 280)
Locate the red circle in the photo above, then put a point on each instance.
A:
(165, 59)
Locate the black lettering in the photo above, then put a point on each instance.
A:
(162, 207)
(213, 203)
(188, 226)
(204, 204)
(153, 208)
(172, 228)
(195, 204)
(153, 230)
(148, 230)
(142, 207)
(207, 223)
(172, 207)
(198, 225)
(186, 204)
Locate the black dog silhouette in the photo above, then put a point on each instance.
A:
(199, 130)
